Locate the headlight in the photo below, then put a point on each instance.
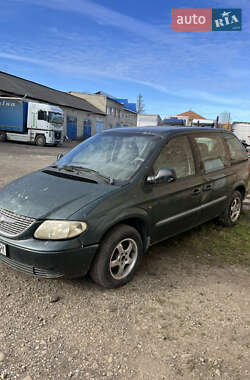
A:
(59, 229)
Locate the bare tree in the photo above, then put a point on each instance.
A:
(225, 117)
(140, 104)
(224, 120)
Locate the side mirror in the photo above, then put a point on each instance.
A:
(59, 156)
(163, 176)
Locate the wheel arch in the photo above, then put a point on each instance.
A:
(137, 222)
(242, 189)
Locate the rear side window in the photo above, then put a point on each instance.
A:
(237, 151)
(212, 152)
(176, 155)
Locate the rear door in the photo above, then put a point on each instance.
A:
(176, 205)
(217, 172)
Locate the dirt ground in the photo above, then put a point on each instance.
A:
(178, 319)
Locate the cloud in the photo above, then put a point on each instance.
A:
(104, 16)
(84, 71)
(197, 68)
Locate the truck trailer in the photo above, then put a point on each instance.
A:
(32, 122)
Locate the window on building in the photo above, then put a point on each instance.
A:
(71, 119)
(108, 111)
(86, 122)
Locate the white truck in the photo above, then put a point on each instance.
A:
(31, 122)
(242, 131)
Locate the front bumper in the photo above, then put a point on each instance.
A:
(48, 259)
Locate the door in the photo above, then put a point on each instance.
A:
(217, 173)
(87, 129)
(71, 127)
(176, 205)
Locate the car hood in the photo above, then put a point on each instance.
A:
(40, 195)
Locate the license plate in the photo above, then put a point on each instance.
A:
(2, 249)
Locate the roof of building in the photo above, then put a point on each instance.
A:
(117, 100)
(16, 86)
(191, 115)
(148, 114)
(102, 93)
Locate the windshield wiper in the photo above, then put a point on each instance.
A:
(76, 168)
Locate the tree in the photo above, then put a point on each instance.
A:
(140, 104)
(225, 117)
(224, 120)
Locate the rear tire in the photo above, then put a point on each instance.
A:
(119, 255)
(40, 140)
(232, 212)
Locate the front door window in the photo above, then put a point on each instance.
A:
(176, 155)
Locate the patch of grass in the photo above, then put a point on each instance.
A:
(214, 244)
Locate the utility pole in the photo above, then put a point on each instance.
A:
(140, 104)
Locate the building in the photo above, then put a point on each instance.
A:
(187, 116)
(81, 118)
(148, 120)
(119, 113)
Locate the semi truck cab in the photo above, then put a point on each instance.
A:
(28, 121)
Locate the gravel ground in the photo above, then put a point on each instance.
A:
(178, 319)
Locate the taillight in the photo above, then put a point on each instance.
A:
(248, 138)
(249, 169)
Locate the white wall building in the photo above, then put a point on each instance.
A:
(148, 120)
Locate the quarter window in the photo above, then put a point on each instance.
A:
(176, 155)
(237, 151)
(212, 152)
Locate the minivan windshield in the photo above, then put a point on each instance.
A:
(114, 155)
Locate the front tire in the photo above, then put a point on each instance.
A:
(40, 140)
(232, 212)
(118, 258)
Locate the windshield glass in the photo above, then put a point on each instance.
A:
(113, 155)
(56, 118)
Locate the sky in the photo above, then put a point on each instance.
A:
(128, 47)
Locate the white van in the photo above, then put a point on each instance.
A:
(242, 131)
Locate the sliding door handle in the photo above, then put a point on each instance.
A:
(207, 188)
(196, 191)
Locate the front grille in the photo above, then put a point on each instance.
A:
(29, 269)
(12, 224)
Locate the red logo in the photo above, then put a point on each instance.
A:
(191, 19)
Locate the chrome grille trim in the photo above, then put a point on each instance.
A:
(12, 225)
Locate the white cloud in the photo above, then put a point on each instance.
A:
(104, 16)
(84, 71)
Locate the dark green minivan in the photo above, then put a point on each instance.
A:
(102, 205)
